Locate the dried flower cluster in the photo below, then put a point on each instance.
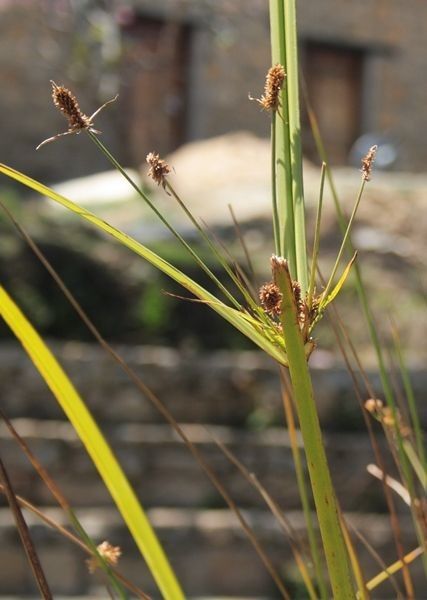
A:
(367, 163)
(158, 168)
(274, 81)
(66, 102)
(107, 551)
(271, 298)
(301, 304)
(271, 301)
(386, 416)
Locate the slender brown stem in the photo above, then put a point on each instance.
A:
(25, 536)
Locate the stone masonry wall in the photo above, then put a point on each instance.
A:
(229, 55)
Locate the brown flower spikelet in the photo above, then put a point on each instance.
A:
(296, 288)
(107, 551)
(273, 84)
(313, 310)
(271, 298)
(158, 168)
(67, 103)
(367, 163)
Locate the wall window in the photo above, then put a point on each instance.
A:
(154, 75)
(333, 77)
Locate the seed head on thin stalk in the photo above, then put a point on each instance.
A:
(66, 102)
(110, 553)
(367, 163)
(158, 168)
(274, 81)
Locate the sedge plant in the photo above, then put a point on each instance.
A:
(280, 321)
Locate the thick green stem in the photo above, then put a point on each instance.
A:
(339, 567)
(276, 220)
(284, 190)
(303, 489)
(294, 134)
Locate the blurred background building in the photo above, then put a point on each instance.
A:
(184, 68)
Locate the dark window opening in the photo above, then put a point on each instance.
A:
(333, 77)
(155, 85)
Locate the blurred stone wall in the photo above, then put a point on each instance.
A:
(79, 45)
(42, 40)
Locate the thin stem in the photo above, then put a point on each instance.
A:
(369, 318)
(144, 196)
(223, 261)
(295, 542)
(344, 240)
(24, 534)
(241, 239)
(409, 392)
(316, 242)
(74, 539)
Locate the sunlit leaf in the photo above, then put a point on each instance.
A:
(324, 301)
(236, 318)
(95, 444)
(394, 568)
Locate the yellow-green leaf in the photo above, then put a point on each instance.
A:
(394, 568)
(324, 301)
(233, 316)
(95, 444)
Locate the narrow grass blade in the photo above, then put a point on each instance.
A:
(163, 219)
(391, 482)
(328, 296)
(75, 540)
(236, 318)
(158, 404)
(95, 444)
(59, 497)
(316, 242)
(394, 568)
(25, 536)
(369, 317)
(362, 592)
(241, 239)
(410, 398)
(296, 544)
(416, 464)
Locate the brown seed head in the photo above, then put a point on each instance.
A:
(271, 298)
(158, 168)
(387, 417)
(300, 303)
(374, 405)
(313, 311)
(273, 84)
(67, 103)
(107, 551)
(367, 163)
